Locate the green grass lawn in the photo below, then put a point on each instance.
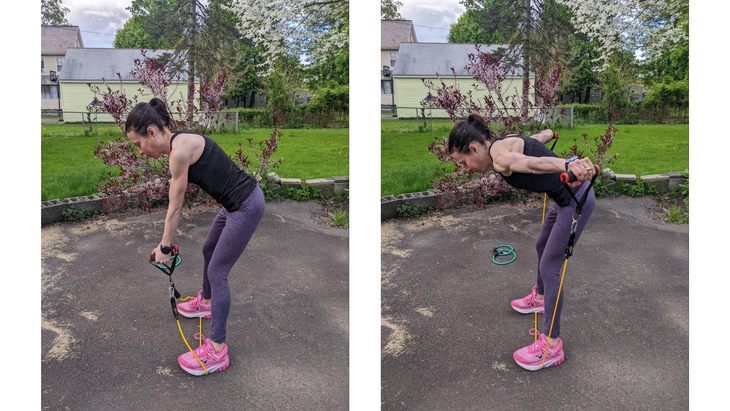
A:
(106, 130)
(440, 126)
(408, 167)
(69, 168)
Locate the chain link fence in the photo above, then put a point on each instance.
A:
(78, 123)
(422, 115)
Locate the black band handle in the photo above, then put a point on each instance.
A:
(569, 177)
(555, 137)
(174, 251)
(173, 304)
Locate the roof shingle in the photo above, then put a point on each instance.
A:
(428, 59)
(395, 32)
(56, 39)
(90, 64)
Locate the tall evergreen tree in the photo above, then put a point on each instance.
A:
(539, 28)
(536, 30)
(202, 35)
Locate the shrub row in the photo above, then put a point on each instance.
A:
(328, 107)
(300, 117)
(639, 112)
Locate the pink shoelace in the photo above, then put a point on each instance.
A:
(196, 303)
(203, 351)
(530, 298)
(539, 345)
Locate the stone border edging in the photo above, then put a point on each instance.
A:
(52, 210)
(389, 204)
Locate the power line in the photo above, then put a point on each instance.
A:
(438, 28)
(106, 34)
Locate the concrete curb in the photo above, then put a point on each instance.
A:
(52, 210)
(389, 204)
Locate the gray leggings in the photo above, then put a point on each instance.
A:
(551, 244)
(228, 236)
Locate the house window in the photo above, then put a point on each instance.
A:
(49, 92)
(385, 87)
(392, 58)
(59, 64)
(43, 65)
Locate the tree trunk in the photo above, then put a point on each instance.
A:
(252, 100)
(191, 63)
(526, 61)
(587, 98)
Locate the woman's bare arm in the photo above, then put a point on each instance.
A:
(543, 136)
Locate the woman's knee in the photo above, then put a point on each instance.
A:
(208, 249)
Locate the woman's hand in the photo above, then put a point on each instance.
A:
(583, 170)
(159, 257)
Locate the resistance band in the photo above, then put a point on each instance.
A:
(497, 252)
(569, 178)
(174, 294)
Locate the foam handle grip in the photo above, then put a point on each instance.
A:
(569, 177)
(173, 253)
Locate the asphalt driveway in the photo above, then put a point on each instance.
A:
(109, 340)
(448, 331)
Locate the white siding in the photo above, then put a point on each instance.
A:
(77, 96)
(409, 92)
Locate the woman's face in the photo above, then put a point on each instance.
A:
(145, 144)
(476, 160)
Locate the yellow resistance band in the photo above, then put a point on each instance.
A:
(554, 311)
(200, 330)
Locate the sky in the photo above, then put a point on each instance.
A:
(432, 18)
(97, 20)
(100, 20)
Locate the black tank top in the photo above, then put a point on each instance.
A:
(219, 176)
(540, 183)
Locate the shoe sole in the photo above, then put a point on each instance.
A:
(548, 363)
(198, 373)
(193, 315)
(528, 311)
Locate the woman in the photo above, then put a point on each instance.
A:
(195, 158)
(526, 163)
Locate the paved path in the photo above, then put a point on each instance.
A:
(448, 331)
(109, 340)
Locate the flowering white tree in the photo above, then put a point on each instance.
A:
(651, 27)
(314, 29)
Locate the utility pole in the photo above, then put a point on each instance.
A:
(526, 60)
(191, 61)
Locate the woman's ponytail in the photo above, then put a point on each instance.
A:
(143, 115)
(473, 129)
(161, 110)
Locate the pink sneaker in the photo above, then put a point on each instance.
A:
(529, 304)
(530, 357)
(194, 308)
(206, 352)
